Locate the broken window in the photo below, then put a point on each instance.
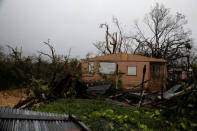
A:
(91, 67)
(107, 67)
(132, 70)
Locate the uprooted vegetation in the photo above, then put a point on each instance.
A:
(43, 80)
(48, 80)
(177, 113)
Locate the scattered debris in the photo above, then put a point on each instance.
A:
(97, 90)
(121, 103)
(175, 91)
(131, 99)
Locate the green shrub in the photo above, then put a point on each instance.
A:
(103, 115)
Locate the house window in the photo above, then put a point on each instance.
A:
(91, 67)
(107, 67)
(132, 70)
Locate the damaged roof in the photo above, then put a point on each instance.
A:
(125, 57)
(25, 120)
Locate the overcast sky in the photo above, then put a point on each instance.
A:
(75, 23)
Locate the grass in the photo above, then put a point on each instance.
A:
(103, 115)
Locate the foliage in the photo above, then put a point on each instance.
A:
(69, 80)
(34, 73)
(17, 71)
(194, 68)
(36, 89)
(77, 87)
(111, 80)
(14, 70)
(95, 82)
(182, 114)
(103, 115)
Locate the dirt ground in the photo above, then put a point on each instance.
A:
(9, 98)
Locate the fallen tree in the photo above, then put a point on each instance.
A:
(65, 81)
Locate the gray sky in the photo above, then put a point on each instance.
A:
(75, 23)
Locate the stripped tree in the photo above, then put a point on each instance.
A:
(54, 60)
(115, 42)
(165, 36)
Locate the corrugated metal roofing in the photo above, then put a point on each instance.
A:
(25, 120)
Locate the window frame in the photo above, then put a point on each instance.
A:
(131, 74)
(92, 71)
(106, 62)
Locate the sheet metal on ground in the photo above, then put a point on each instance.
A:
(36, 125)
(174, 91)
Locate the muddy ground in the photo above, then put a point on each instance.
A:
(9, 98)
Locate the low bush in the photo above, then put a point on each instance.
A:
(103, 115)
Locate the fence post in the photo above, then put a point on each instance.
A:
(142, 89)
(116, 77)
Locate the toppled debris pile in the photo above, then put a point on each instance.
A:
(97, 90)
(177, 90)
(131, 97)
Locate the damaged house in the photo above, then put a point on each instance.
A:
(132, 68)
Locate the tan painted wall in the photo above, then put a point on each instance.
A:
(124, 61)
(128, 80)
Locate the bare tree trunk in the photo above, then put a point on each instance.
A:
(53, 59)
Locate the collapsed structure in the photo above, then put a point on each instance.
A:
(131, 67)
